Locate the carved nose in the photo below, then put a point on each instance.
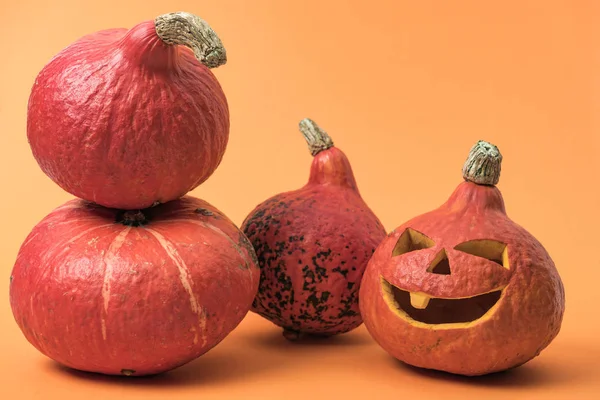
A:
(440, 264)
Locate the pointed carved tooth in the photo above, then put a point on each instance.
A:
(419, 300)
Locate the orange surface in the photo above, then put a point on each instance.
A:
(405, 88)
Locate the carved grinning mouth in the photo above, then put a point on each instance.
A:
(434, 310)
(420, 307)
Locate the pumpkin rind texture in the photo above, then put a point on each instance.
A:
(313, 245)
(124, 120)
(508, 332)
(99, 295)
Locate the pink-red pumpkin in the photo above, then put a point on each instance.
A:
(132, 292)
(463, 288)
(313, 245)
(131, 118)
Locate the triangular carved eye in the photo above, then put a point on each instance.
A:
(489, 249)
(440, 264)
(411, 240)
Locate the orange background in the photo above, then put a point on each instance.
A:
(404, 88)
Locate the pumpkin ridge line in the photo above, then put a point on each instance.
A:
(113, 248)
(184, 272)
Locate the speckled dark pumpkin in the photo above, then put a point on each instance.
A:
(313, 245)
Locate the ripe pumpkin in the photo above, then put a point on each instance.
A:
(313, 245)
(132, 292)
(131, 118)
(463, 288)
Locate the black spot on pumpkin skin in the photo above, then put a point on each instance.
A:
(347, 305)
(259, 214)
(268, 260)
(204, 211)
(343, 272)
(266, 221)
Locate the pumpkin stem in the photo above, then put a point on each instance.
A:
(131, 218)
(483, 164)
(317, 139)
(182, 28)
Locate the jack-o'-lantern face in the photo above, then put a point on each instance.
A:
(445, 286)
(462, 288)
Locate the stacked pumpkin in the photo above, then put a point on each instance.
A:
(134, 276)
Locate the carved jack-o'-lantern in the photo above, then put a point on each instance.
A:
(463, 288)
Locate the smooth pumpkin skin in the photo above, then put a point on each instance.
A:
(126, 121)
(99, 296)
(313, 245)
(528, 314)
